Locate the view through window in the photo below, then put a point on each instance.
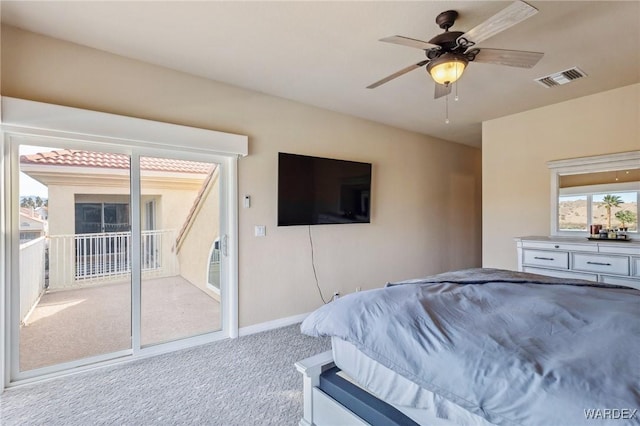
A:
(611, 210)
(75, 254)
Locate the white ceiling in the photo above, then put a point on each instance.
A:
(326, 53)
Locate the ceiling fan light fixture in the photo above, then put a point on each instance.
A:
(447, 68)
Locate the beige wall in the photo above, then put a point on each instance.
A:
(426, 193)
(193, 254)
(515, 149)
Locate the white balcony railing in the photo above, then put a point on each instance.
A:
(82, 258)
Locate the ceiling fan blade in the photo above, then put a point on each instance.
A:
(511, 58)
(506, 18)
(441, 90)
(397, 74)
(410, 42)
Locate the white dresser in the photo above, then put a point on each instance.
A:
(611, 262)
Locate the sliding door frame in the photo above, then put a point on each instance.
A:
(34, 123)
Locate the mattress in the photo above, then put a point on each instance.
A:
(419, 404)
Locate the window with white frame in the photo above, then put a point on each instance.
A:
(613, 206)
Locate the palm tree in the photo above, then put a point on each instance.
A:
(626, 216)
(610, 201)
(27, 202)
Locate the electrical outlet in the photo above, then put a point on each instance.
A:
(358, 289)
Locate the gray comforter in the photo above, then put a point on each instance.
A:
(513, 348)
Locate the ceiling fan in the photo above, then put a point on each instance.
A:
(449, 53)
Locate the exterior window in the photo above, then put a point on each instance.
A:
(614, 209)
(101, 217)
(572, 212)
(108, 252)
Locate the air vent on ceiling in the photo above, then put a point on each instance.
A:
(562, 77)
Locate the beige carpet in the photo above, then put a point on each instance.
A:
(246, 381)
(74, 324)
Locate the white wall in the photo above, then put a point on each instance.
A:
(515, 151)
(426, 195)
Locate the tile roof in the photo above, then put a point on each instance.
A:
(107, 160)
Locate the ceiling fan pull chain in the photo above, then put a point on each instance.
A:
(446, 108)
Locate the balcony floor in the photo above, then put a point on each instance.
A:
(73, 324)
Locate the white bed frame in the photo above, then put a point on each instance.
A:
(319, 408)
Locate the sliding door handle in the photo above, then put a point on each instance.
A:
(225, 245)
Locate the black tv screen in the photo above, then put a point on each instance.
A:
(314, 191)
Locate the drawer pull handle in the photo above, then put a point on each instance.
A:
(543, 258)
(599, 263)
(557, 246)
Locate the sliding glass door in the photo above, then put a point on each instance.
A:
(74, 256)
(118, 253)
(176, 299)
(118, 238)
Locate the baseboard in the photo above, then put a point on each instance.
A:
(270, 325)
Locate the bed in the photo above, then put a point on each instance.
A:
(477, 347)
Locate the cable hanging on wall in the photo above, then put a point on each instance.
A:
(313, 264)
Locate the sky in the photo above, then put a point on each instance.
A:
(627, 197)
(29, 186)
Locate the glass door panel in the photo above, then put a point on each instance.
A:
(74, 256)
(180, 222)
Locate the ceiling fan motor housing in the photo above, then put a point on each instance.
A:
(448, 41)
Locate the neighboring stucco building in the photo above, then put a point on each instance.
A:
(89, 215)
(32, 225)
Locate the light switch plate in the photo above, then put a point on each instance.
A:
(260, 230)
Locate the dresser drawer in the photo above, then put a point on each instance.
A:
(559, 246)
(560, 274)
(636, 266)
(553, 259)
(627, 282)
(620, 248)
(618, 265)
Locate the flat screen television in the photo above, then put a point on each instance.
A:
(315, 191)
